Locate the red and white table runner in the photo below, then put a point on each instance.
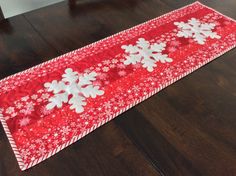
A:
(52, 105)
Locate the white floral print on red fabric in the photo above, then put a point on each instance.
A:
(197, 30)
(79, 86)
(145, 53)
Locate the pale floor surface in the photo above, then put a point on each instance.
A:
(15, 7)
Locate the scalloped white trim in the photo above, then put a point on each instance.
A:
(24, 166)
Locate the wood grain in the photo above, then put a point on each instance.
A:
(187, 129)
(21, 47)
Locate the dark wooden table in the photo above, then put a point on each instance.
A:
(188, 128)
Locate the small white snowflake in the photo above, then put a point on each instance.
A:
(25, 121)
(105, 69)
(45, 111)
(122, 73)
(121, 66)
(40, 91)
(29, 108)
(106, 62)
(197, 30)
(45, 96)
(97, 69)
(30, 105)
(73, 124)
(121, 103)
(10, 110)
(102, 76)
(106, 82)
(84, 116)
(65, 130)
(114, 61)
(32, 146)
(39, 100)
(38, 141)
(107, 105)
(171, 49)
(73, 89)
(34, 97)
(136, 88)
(108, 113)
(7, 117)
(19, 105)
(6, 88)
(97, 83)
(25, 98)
(145, 53)
(55, 142)
(175, 43)
(41, 151)
(112, 65)
(24, 153)
(138, 65)
(14, 114)
(87, 70)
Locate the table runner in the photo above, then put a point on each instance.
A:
(50, 106)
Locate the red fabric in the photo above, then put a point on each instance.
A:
(37, 132)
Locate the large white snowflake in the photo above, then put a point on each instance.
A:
(196, 30)
(73, 89)
(145, 53)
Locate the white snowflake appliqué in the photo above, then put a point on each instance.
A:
(196, 30)
(145, 53)
(73, 89)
